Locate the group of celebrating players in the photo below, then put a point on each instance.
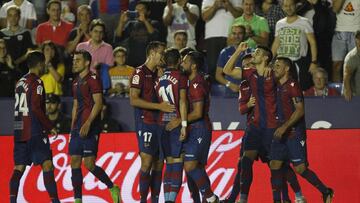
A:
(171, 97)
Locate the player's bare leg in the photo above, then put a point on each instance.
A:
(98, 172)
(198, 174)
(15, 181)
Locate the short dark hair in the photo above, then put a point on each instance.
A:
(153, 45)
(267, 52)
(143, 3)
(33, 58)
(85, 54)
(53, 2)
(171, 56)
(292, 68)
(197, 58)
(184, 51)
(97, 22)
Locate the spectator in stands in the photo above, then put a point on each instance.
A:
(53, 112)
(66, 13)
(292, 35)
(180, 39)
(18, 39)
(218, 16)
(320, 88)
(272, 12)
(352, 71)
(55, 29)
(101, 52)
(81, 33)
(28, 14)
(8, 74)
(257, 28)
(54, 69)
(134, 31)
(108, 124)
(109, 12)
(236, 36)
(347, 23)
(180, 15)
(120, 74)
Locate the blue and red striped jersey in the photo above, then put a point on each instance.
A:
(29, 111)
(264, 91)
(83, 91)
(144, 80)
(244, 97)
(168, 88)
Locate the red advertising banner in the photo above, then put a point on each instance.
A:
(333, 155)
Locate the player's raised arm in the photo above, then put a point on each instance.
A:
(137, 101)
(229, 68)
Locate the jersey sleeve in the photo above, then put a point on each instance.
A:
(137, 79)
(295, 90)
(183, 82)
(37, 95)
(244, 97)
(95, 84)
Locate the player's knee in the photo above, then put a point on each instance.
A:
(300, 168)
(75, 162)
(47, 166)
(158, 165)
(20, 168)
(275, 165)
(89, 165)
(251, 154)
(190, 165)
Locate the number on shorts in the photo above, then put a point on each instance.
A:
(21, 104)
(147, 136)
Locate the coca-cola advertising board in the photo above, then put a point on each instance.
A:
(333, 155)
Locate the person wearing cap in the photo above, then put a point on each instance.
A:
(53, 112)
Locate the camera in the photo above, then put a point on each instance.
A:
(132, 15)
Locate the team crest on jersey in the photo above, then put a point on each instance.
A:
(195, 85)
(138, 71)
(135, 80)
(44, 140)
(94, 76)
(199, 140)
(39, 90)
(292, 84)
(302, 142)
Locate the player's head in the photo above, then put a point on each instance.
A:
(284, 67)
(155, 51)
(185, 51)
(13, 14)
(81, 61)
(172, 57)
(320, 78)
(193, 61)
(36, 61)
(262, 54)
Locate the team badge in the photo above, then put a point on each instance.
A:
(136, 80)
(39, 90)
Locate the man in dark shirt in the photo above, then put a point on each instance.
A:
(53, 111)
(8, 74)
(31, 143)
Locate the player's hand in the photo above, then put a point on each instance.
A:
(54, 133)
(84, 130)
(251, 102)
(166, 107)
(242, 47)
(182, 134)
(267, 72)
(173, 124)
(279, 132)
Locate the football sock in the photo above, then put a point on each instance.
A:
(50, 185)
(246, 176)
(292, 180)
(14, 185)
(102, 176)
(144, 185)
(312, 178)
(202, 181)
(236, 185)
(155, 185)
(194, 191)
(176, 180)
(167, 181)
(77, 181)
(276, 183)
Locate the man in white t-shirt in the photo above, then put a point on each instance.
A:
(181, 16)
(292, 35)
(218, 16)
(347, 23)
(28, 14)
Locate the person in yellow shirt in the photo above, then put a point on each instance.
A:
(54, 69)
(120, 74)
